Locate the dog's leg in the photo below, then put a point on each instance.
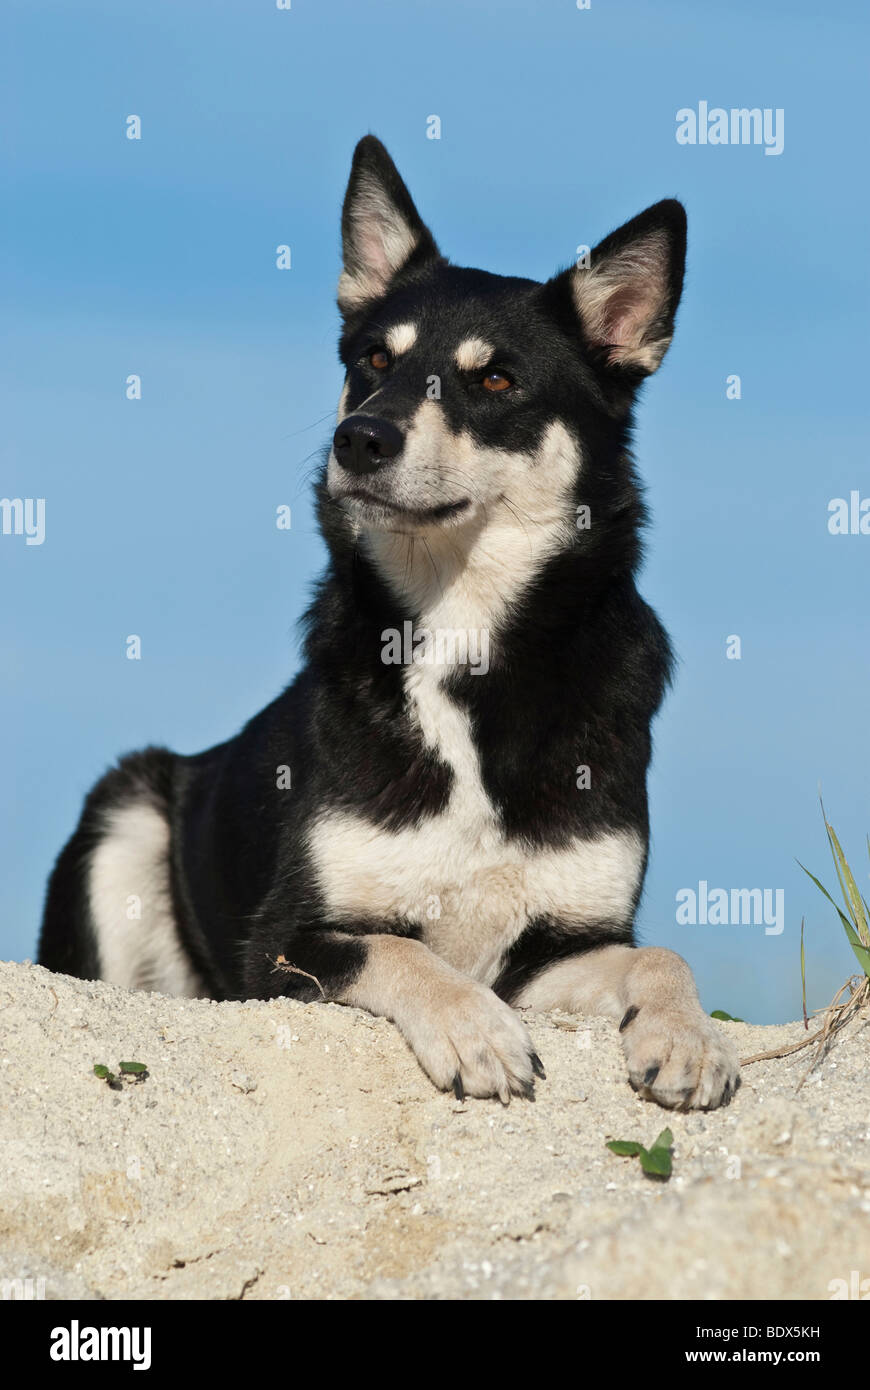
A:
(463, 1035)
(677, 1055)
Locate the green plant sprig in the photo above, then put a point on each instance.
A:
(655, 1161)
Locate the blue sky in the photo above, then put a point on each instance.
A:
(157, 257)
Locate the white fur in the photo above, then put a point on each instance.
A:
(129, 874)
(470, 890)
(401, 338)
(472, 354)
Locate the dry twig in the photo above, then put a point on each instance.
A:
(282, 963)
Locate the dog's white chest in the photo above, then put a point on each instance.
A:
(455, 876)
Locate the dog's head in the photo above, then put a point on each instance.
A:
(471, 397)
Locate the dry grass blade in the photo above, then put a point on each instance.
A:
(857, 928)
(804, 978)
(835, 1017)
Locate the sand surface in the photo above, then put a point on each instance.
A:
(281, 1150)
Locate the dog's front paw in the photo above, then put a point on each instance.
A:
(680, 1058)
(468, 1040)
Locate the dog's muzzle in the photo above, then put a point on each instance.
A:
(363, 444)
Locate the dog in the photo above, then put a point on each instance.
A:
(443, 820)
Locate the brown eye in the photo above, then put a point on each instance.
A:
(379, 359)
(496, 381)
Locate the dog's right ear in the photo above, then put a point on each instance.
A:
(381, 230)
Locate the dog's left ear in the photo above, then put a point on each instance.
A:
(381, 230)
(627, 297)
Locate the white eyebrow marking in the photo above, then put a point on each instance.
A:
(401, 337)
(472, 354)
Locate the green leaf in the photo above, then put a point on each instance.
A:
(132, 1068)
(656, 1162)
(861, 951)
(822, 889)
(101, 1071)
(851, 895)
(726, 1018)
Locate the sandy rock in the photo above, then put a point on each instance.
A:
(281, 1150)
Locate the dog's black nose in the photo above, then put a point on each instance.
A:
(361, 443)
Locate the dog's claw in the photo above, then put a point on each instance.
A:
(538, 1066)
(458, 1089)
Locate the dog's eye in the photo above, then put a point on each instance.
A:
(379, 359)
(496, 381)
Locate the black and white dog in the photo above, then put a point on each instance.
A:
(445, 814)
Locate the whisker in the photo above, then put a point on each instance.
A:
(294, 433)
(434, 566)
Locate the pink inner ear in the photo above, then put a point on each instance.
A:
(373, 251)
(621, 299)
(628, 313)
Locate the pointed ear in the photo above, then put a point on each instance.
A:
(381, 230)
(628, 296)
